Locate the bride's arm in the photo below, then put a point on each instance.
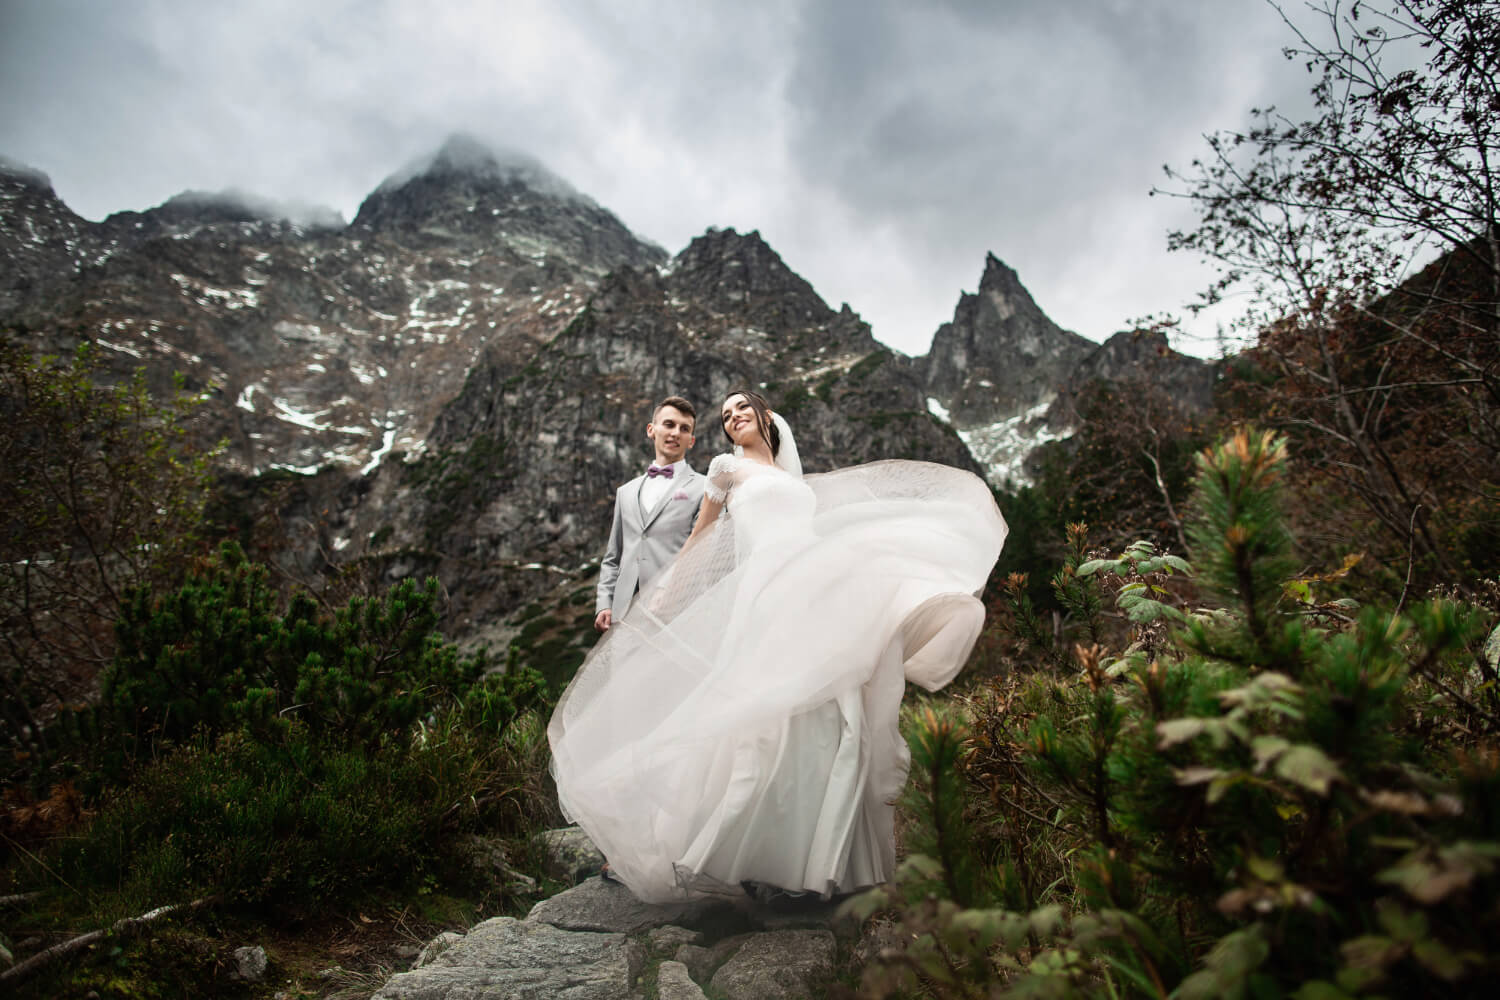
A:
(708, 513)
(715, 495)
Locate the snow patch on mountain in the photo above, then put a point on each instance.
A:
(1002, 447)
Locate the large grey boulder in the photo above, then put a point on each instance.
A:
(250, 963)
(571, 855)
(524, 960)
(674, 983)
(432, 949)
(597, 905)
(702, 962)
(778, 965)
(667, 939)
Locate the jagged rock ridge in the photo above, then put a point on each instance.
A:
(1000, 351)
(40, 237)
(1137, 356)
(1008, 378)
(994, 370)
(190, 209)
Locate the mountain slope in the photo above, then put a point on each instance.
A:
(1006, 377)
(316, 345)
(513, 497)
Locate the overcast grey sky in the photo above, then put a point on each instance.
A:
(882, 147)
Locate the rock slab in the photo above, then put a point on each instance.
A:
(674, 983)
(571, 855)
(523, 960)
(778, 965)
(597, 905)
(666, 940)
(250, 963)
(432, 949)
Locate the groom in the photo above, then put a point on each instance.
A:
(654, 513)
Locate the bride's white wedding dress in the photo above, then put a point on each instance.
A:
(740, 722)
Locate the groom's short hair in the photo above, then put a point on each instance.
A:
(681, 405)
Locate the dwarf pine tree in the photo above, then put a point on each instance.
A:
(219, 654)
(1272, 795)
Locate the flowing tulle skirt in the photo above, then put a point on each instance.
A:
(740, 722)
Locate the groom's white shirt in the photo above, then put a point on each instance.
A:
(644, 536)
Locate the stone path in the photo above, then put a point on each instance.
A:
(596, 941)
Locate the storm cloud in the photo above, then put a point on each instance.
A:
(882, 147)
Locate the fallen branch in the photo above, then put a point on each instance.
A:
(20, 897)
(23, 969)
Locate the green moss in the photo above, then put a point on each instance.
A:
(536, 627)
(794, 399)
(883, 418)
(555, 658)
(454, 481)
(868, 364)
(427, 468)
(140, 968)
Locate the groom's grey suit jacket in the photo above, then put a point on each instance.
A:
(641, 545)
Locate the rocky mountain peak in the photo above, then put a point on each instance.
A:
(466, 192)
(462, 158)
(1144, 356)
(41, 239)
(1003, 318)
(234, 205)
(741, 273)
(993, 370)
(1000, 354)
(14, 174)
(191, 210)
(1001, 279)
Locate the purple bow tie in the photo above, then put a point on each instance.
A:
(659, 470)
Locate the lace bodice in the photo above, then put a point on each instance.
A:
(769, 504)
(728, 471)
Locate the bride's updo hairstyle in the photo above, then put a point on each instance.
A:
(768, 432)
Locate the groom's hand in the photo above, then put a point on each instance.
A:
(603, 620)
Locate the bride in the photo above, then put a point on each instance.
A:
(739, 724)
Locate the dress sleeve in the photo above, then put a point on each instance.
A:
(720, 478)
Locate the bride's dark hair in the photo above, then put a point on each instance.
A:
(768, 432)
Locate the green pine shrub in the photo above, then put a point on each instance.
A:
(220, 654)
(272, 755)
(1235, 784)
(299, 820)
(290, 819)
